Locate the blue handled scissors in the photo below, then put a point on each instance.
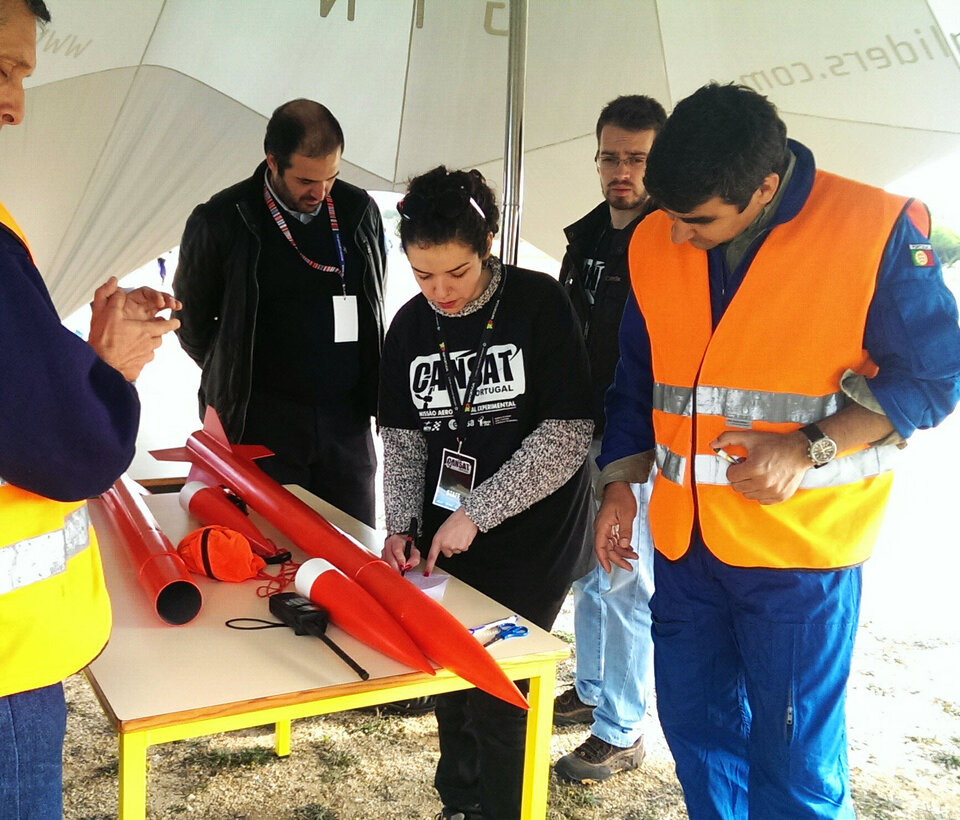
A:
(507, 631)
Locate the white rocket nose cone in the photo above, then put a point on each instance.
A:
(309, 572)
(188, 491)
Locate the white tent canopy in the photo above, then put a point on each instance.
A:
(140, 109)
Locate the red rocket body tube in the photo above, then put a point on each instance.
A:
(438, 634)
(160, 570)
(356, 612)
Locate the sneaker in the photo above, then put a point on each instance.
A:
(569, 710)
(595, 760)
(470, 813)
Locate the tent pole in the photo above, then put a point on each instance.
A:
(513, 144)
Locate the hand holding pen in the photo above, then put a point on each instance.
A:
(400, 549)
(410, 536)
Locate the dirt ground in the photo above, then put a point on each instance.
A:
(904, 716)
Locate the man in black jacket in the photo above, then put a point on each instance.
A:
(611, 612)
(282, 279)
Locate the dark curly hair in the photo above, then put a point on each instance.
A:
(722, 140)
(443, 206)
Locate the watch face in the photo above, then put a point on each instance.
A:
(822, 450)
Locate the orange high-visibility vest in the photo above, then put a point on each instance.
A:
(54, 609)
(773, 363)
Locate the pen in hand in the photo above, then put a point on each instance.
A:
(410, 536)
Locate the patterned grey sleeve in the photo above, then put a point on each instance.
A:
(404, 468)
(545, 461)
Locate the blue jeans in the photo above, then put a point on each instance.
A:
(32, 726)
(611, 622)
(751, 669)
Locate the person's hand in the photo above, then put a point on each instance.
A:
(126, 344)
(455, 535)
(394, 550)
(144, 303)
(613, 526)
(774, 466)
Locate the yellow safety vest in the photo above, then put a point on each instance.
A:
(54, 608)
(773, 363)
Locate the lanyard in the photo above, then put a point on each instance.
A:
(334, 226)
(462, 410)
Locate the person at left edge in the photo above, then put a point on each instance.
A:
(282, 280)
(486, 420)
(68, 424)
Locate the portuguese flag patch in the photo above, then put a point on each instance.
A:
(922, 256)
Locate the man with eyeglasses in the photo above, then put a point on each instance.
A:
(282, 279)
(611, 611)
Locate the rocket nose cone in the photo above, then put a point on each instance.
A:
(308, 573)
(188, 491)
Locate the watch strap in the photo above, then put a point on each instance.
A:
(813, 433)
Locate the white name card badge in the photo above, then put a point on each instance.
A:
(457, 471)
(345, 321)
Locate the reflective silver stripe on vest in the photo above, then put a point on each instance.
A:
(43, 556)
(740, 407)
(845, 470)
(670, 464)
(672, 399)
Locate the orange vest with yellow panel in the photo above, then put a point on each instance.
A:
(773, 363)
(54, 609)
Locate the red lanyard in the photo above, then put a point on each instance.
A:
(334, 226)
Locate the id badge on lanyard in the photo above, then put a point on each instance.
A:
(458, 471)
(345, 317)
(455, 483)
(345, 324)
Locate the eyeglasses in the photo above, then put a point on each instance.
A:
(612, 163)
(450, 203)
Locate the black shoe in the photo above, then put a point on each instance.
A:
(569, 710)
(595, 760)
(469, 813)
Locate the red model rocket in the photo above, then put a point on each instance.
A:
(355, 611)
(349, 605)
(438, 634)
(160, 569)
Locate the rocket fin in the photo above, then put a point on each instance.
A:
(251, 451)
(171, 454)
(213, 426)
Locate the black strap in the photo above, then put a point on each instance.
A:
(205, 553)
(461, 410)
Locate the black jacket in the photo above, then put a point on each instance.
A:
(216, 280)
(601, 321)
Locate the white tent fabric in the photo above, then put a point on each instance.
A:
(140, 110)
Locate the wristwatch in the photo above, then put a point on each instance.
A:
(822, 449)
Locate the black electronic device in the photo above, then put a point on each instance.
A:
(304, 617)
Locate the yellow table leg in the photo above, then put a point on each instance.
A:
(133, 776)
(282, 738)
(536, 766)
